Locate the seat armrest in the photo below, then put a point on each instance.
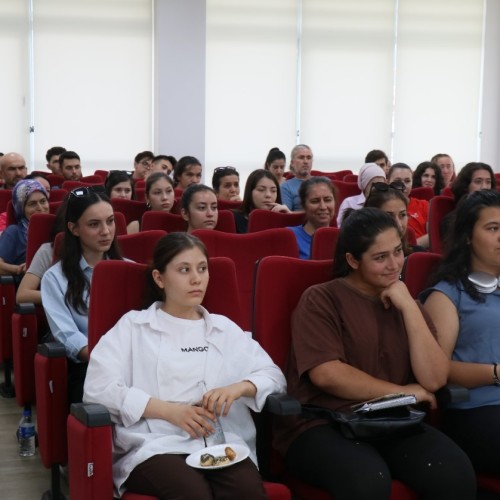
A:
(52, 350)
(26, 308)
(6, 279)
(282, 404)
(90, 414)
(452, 393)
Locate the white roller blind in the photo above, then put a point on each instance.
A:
(347, 75)
(250, 84)
(14, 90)
(93, 80)
(438, 80)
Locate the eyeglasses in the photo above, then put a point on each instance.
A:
(382, 186)
(81, 192)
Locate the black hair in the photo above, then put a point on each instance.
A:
(68, 155)
(71, 251)
(154, 177)
(460, 186)
(142, 155)
(358, 234)
(374, 155)
(395, 166)
(456, 263)
(167, 248)
(181, 166)
(273, 155)
(55, 151)
(306, 185)
(190, 191)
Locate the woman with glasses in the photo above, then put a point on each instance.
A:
(275, 163)
(261, 191)
(428, 174)
(317, 196)
(89, 237)
(418, 210)
(173, 373)
(160, 196)
(358, 337)
(464, 304)
(199, 207)
(390, 199)
(226, 183)
(368, 174)
(28, 197)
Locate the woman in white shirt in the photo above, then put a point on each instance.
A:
(169, 374)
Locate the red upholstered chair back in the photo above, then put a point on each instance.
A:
(439, 207)
(324, 243)
(411, 237)
(5, 197)
(103, 174)
(92, 179)
(57, 195)
(139, 247)
(11, 215)
(447, 192)
(345, 190)
(131, 209)
(272, 312)
(228, 205)
(259, 220)
(418, 269)
(55, 180)
(120, 224)
(70, 185)
(422, 193)
(140, 193)
(127, 280)
(350, 178)
(39, 230)
(245, 250)
(166, 221)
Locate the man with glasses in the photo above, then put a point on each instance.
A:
(13, 169)
(369, 174)
(142, 164)
(71, 168)
(301, 165)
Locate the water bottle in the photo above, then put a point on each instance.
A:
(26, 434)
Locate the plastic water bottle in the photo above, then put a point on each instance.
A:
(26, 434)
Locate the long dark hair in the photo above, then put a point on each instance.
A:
(248, 205)
(167, 248)
(71, 251)
(460, 186)
(420, 170)
(117, 177)
(456, 264)
(358, 234)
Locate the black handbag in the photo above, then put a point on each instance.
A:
(372, 424)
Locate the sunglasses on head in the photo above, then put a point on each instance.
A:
(382, 186)
(81, 192)
(231, 170)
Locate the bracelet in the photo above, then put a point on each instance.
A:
(496, 380)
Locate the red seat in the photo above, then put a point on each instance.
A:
(5, 197)
(350, 178)
(70, 185)
(447, 192)
(272, 329)
(245, 250)
(131, 209)
(120, 224)
(92, 179)
(422, 193)
(55, 180)
(344, 190)
(324, 243)
(139, 247)
(57, 195)
(228, 205)
(89, 429)
(259, 220)
(418, 269)
(439, 206)
(103, 174)
(140, 193)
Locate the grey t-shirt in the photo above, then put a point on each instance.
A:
(42, 260)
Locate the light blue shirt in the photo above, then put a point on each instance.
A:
(290, 194)
(67, 325)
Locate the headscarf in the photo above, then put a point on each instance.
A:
(20, 194)
(368, 172)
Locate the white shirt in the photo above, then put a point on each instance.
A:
(356, 202)
(141, 357)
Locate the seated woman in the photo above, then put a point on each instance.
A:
(28, 197)
(119, 184)
(368, 174)
(317, 196)
(463, 304)
(261, 191)
(418, 210)
(29, 288)
(447, 167)
(359, 337)
(89, 237)
(428, 174)
(187, 171)
(199, 207)
(275, 163)
(390, 199)
(226, 183)
(162, 415)
(159, 196)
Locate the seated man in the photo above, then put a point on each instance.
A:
(142, 165)
(71, 168)
(52, 157)
(301, 165)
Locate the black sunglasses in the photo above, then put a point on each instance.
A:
(226, 169)
(81, 192)
(382, 186)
